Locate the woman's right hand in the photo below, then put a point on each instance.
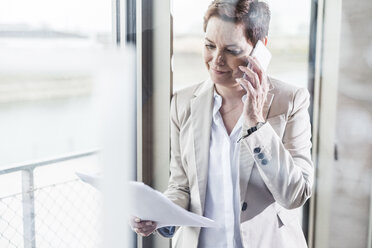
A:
(142, 227)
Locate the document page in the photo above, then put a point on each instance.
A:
(149, 204)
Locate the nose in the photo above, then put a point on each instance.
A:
(219, 59)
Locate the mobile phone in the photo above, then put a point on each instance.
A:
(262, 54)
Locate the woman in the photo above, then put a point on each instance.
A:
(240, 147)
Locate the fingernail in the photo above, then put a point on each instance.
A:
(149, 223)
(241, 67)
(137, 220)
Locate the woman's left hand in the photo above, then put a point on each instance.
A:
(256, 86)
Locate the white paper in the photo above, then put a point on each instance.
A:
(93, 180)
(149, 204)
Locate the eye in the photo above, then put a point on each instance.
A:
(234, 52)
(209, 46)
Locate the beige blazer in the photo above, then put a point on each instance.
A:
(269, 190)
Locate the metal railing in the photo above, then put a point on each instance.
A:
(64, 214)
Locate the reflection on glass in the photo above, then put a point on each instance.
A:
(288, 41)
(350, 213)
(49, 113)
(68, 210)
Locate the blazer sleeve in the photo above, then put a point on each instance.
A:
(285, 163)
(178, 190)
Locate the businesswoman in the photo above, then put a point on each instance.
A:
(240, 146)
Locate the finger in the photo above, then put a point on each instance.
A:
(133, 220)
(248, 71)
(250, 74)
(149, 223)
(243, 83)
(252, 90)
(265, 87)
(138, 225)
(266, 83)
(145, 234)
(245, 69)
(252, 93)
(141, 224)
(151, 229)
(256, 66)
(243, 86)
(258, 82)
(138, 231)
(257, 75)
(246, 85)
(148, 233)
(136, 219)
(145, 223)
(147, 229)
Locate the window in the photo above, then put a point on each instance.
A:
(288, 42)
(48, 89)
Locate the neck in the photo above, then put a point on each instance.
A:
(230, 94)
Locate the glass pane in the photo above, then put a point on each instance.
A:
(11, 225)
(68, 211)
(60, 209)
(48, 113)
(43, 23)
(52, 56)
(288, 42)
(188, 43)
(351, 193)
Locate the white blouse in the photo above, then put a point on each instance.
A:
(222, 195)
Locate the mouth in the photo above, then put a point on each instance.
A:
(219, 72)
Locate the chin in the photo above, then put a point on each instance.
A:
(220, 79)
(223, 81)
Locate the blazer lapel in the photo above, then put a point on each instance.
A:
(201, 114)
(246, 160)
(268, 101)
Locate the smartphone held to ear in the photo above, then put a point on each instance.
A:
(262, 54)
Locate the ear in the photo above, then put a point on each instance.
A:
(265, 40)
